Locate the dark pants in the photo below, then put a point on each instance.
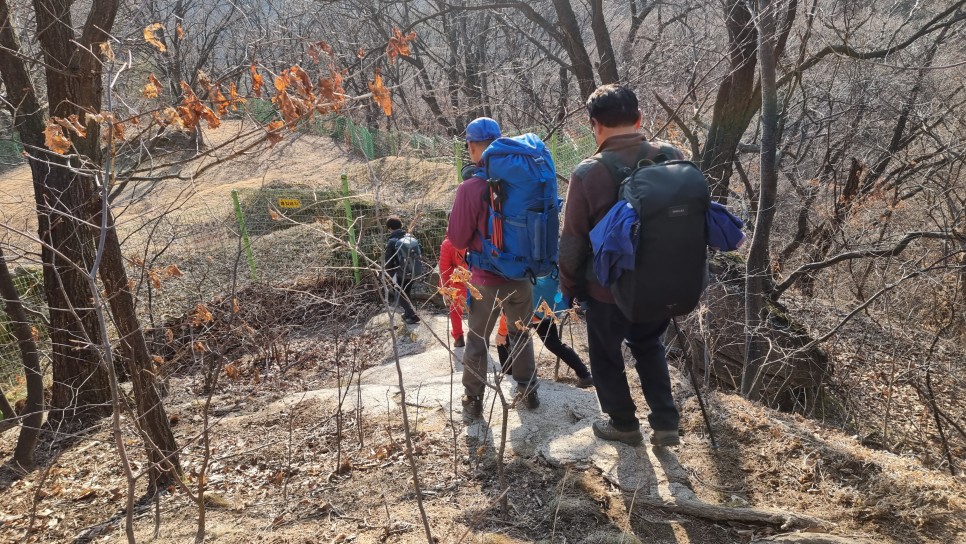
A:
(403, 301)
(548, 332)
(607, 328)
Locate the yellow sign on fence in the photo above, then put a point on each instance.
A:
(289, 203)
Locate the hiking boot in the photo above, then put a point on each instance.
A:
(531, 400)
(605, 429)
(584, 383)
(459, 343)
(472, 407)
(411, 319)
(665, 438)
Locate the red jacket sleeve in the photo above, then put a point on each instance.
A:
(446, 264)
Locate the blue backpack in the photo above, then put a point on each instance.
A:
(524, 210)
(547, 288)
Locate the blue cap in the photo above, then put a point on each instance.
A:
(482, 129)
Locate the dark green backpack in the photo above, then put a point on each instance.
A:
(671, 198)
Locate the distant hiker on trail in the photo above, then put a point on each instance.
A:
(403, 264)
(498, 251)
(545, 290)
(615, 120)
(450, 259)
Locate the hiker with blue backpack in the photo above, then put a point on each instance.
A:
(544, 322)
(653, 292)
(506, 215)
(403, 262)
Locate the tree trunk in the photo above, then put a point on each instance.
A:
(758, 272)
(64, 205)
(33, 412)
(151, 414)
(605, 49)
(736, 102)
(573, 43)
(80, 389)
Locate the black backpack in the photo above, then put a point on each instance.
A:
(409, 257)
(671, 198)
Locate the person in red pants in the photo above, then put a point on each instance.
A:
(449, 260)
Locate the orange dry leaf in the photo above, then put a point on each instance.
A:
(399, 44)
(151, 38)
(55, 139)
(106, 51)
(200, 315)
(273, 215)
(152, 89)
(257, 81)
(474, 292)
(520, 326)
(300, 79)
(171, 117)
(191, 110)
(280, 84)
(460, 275)
(234, 306)
(547, 311)
(218, 100)
(380, 94)
(179, 31)
(331, 93)
(273, 128)
(72, 124)
(199, 346)
(453, 296)
(155, 278)
(234, 98)
(172, 271)
(233, 371)
(361, 53)
(35, 333)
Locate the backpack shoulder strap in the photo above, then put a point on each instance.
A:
(618, 169)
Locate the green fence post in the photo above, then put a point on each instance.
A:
(240, 217)
(459, 161)
(352, 228)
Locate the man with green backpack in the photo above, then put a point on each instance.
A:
(658, 258)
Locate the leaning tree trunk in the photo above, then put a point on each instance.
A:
(33, 412)
(152, 418)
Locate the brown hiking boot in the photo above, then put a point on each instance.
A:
(605, 429)
(584, 383)
(665, 438)
(459, 343)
